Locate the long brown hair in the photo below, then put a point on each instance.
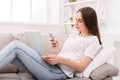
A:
(90, 19)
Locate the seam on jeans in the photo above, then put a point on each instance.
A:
(38, 62)
(8, 54)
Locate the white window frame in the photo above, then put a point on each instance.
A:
(31, 19)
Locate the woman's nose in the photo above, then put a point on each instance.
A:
(76, 23)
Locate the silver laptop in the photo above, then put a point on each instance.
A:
(34, 40)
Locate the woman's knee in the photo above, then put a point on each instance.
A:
(14, 42)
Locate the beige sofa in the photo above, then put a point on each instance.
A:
(11, 72)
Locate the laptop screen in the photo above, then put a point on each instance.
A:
(34, 40)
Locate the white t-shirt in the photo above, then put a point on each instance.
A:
(76, 46)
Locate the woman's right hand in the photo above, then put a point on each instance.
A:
(55, 45)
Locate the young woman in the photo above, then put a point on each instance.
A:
(76, 54)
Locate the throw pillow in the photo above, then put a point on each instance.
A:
(101, 58)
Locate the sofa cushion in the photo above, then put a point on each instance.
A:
(5, 38)
(76, 78)
(108, 78)
(8, 76)
(21, 37)
(16, 76)
(104, 71)
(10, 68)
(26, 76)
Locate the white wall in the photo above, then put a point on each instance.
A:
(113, 17)
(111, 32)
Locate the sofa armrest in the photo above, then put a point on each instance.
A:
(104, 71)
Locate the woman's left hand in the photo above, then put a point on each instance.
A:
(52, 58)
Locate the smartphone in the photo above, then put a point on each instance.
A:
(51, 35)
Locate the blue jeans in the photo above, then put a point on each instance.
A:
(31, 60)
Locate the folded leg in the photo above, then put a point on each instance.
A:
(32, 61)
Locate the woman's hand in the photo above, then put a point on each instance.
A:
(55, 45)
(52, 59)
